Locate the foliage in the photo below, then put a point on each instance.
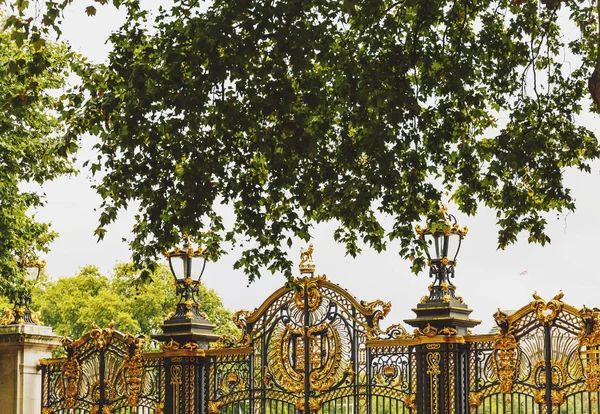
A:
(94, 298)
(32, 149)
(299, 112)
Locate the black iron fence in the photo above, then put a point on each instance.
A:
(319, 350)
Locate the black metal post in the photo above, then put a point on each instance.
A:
(306, 353)
(548, 361)
(102, 385)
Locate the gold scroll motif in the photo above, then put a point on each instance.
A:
(102, 337)
(380, 309)
(431, 331)
(506, 358)
(410, 401)
(546, 312)
(325, 358)
(172, 345)
(557, 397)
(311, 285)
(474, 400)
(133, 367)
(70, 372)
(230, 341)
(8, 316)
(214, 407)
(176, 382)
(433, 370)
(314, 404)
(589, 343)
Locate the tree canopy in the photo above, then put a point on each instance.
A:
(291, 113)
(32, 147)
(96, 298)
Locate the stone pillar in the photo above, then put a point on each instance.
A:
(21, 348)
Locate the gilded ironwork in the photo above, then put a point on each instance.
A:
(310, 349)
(547, 311)
(8, 316)
(589, 347)
(133, 366)
(104, 372)
(431, 331)
(506, 359)
(102, 337)
(474, 400)
(306, 260)
(311, 287)
(214, 407)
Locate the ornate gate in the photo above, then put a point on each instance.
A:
(105, 372)
(543, 359)
(315, 349)
(307, 351)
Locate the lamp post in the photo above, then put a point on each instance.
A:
(21, 313)
(442, 310)
(443, 238)
(187, 325)
(184, 264)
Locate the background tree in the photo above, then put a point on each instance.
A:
(32, 147)
(298, 112)
(70, 305)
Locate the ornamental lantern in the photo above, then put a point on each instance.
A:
(443, 238)
(187, 272)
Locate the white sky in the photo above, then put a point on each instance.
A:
(486, 278)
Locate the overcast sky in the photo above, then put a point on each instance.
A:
(485, 277)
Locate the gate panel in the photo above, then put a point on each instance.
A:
(537, 362)
(307, 352)
(105, 371)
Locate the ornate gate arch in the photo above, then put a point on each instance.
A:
(306, 351)
(544, 358)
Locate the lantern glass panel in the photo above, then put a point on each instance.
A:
(179, 266)
(453, 246)
(32, 273)
(434, 246)
(197, 267)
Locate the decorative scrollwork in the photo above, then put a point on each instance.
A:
(102, 337)
(431, 331)
(133, 366)
(547, 311)
(314, 404)
(433, 363)
(71, 371)
(379, 310)
(474, 400)
(214, 407)
(589, 343)
(8, 316)
(506, 358)
(556, 396)
(239, 319)
(410, 401)
(311, 286)
(172, 345)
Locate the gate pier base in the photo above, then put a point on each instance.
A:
(442, 362)
(21, 348)
(184, 341)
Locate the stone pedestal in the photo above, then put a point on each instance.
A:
(21, 348)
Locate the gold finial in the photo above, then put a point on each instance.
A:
(306, 261)
(443, 210)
